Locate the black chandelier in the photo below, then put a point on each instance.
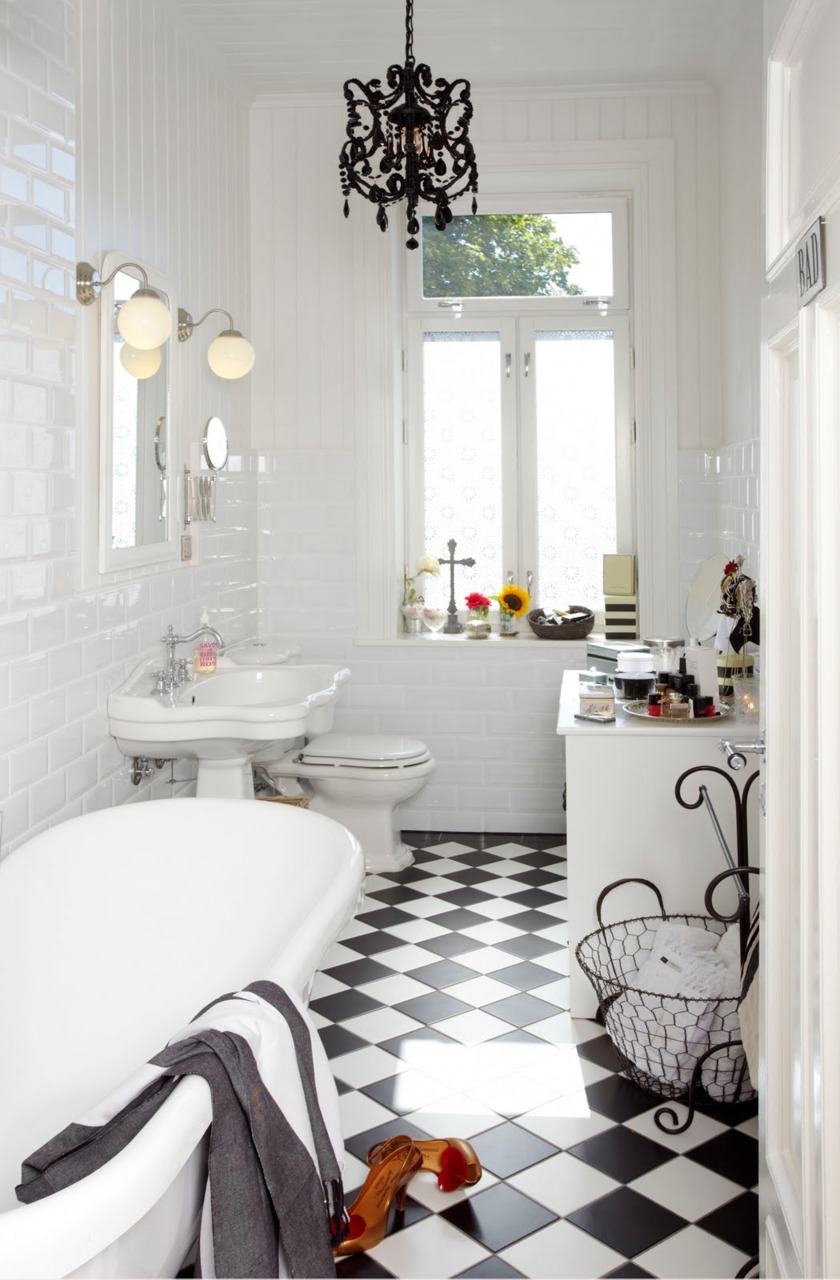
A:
(409, 141)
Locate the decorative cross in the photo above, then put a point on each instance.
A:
(453, 626)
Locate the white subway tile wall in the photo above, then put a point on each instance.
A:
(487, 716)
(719, 508)
(62, 650)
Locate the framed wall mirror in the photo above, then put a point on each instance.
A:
(137, 445)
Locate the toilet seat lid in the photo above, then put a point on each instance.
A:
(373, 750)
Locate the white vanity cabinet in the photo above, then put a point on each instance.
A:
(623, 818)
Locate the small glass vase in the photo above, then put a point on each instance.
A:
(477, 627)
(507, 623)
(412, 619)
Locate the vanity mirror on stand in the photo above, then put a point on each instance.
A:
(200, 490)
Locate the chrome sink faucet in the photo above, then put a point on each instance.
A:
(176, 672)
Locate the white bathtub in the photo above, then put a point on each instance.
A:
(115, 929)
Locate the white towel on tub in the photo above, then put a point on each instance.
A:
(276, 1146)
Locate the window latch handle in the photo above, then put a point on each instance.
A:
(527, 363)
(508, 363)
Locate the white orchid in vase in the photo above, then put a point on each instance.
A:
(430, 565)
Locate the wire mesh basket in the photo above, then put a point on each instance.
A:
(665, 1043)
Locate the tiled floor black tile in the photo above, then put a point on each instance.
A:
(621, 1153)
(427, 857)
(385, 917)
(525, 976)
(482, 858)
(371, 944)
(733, 1113)
(533, 897)
(497, 1217)
(466, 897)
(628, 1272)
(627, 1222)
(337, 1040)
(548, 840)
(343, 1005)
(411, 1044)
(506, 1149)
(442, 973)
(360, 1143)
(539, 878)
(419, 839)
(521, 1010)
(490, 1269)
(600, 1050)
(733, 1155)
(471, 875)
(735, 1222)
(433, 1007)
(357, 972)
(393, 897)
(341, 1087)
(532, 921)
(409, 875)
(404, 1092)
(359, 1266)
(460, 918)
(478, 839)
(618, 1098)
(450, 944)
(519, 1036)
(530, 946)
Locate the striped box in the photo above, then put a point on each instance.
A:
(621, 618)
(729, 665)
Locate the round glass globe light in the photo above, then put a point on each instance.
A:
(140, 364)
(230, 355)
(144, 320)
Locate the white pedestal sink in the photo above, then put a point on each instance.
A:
(225, 720)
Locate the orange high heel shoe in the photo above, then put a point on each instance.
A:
(452, 1159)
(387, 1181)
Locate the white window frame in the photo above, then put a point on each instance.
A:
(643, 169)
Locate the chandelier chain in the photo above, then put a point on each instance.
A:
(409, 33)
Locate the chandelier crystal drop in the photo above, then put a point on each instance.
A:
(408, 141)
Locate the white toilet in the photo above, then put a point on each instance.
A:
(359, 779)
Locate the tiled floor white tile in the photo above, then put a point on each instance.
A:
(558, 909)
(503, 887)
(749, 1127)
(495, 908)
(417, 930)
(438, 884)
(565, 1121)
(558, 933)
(359, 1113)
(692, 1254)
(491, 932)
(685, 1187)
(395, 990)
(374, 882)
(403, 959)
(555, 992)
(512, 1094)
(338, 954)
(486, 959)
(443, 858)
(558, 1029)
(428, 1248)
(454, 1117)
(557, 961)
(559, 1251)
(563, 1183)
(365, 1065)
(474, 1027)
(324, 985)
(701, 1129)
(479, 991)
(381, 1024)
(355, 928)
(423, 908)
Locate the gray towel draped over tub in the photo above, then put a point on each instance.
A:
(273, 1171)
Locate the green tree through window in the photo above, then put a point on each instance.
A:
(497, 256)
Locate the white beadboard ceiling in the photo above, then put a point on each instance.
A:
(293, 46)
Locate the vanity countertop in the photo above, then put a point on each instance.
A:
(627, 725)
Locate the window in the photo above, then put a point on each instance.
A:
(519, 441)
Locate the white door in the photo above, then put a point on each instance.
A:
(800, 958)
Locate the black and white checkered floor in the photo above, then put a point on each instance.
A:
(443, 1009)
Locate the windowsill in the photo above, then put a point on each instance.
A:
(524, 639)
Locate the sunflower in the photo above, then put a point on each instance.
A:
(514, 600)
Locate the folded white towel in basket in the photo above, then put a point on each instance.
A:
(685, 962)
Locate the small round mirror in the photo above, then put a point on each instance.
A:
(215, 444)
(703, 604)
(160, 445)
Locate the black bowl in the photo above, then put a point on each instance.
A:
(634, 687)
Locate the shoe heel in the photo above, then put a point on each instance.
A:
(399, 1200)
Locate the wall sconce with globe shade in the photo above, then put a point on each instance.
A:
(230, 355)
(144, 319)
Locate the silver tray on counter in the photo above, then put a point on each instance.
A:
(640, 711)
